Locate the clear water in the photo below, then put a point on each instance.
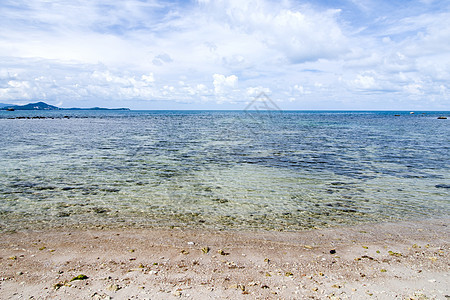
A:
(221, 170)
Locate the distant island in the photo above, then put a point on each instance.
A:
(45, 106)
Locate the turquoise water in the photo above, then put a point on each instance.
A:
(221, 170)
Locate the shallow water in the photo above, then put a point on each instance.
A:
(222, 170)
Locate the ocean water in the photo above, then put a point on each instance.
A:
(236, 170)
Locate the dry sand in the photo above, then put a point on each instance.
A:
(408, 260)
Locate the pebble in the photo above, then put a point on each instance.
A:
(114, 287)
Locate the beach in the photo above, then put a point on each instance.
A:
(224, 205)
(203, 149)
(403, 260)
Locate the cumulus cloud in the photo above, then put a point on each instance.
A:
(295, 34)
(224, 83)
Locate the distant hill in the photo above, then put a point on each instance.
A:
(4, 105)
(45, 106)
(33, 106)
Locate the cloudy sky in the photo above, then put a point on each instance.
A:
(205, 54)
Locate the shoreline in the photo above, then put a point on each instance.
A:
(379, 261)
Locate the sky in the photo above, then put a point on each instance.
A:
(205, 54)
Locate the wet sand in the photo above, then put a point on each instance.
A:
(377, 261)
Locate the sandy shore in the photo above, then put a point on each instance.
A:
(384, 261)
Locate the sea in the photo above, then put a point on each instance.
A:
(221, 170)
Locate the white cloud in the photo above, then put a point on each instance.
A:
(413, 88)
(364, 82)
(148, 78)
(301, 89)
(253, 92)
(223, 83)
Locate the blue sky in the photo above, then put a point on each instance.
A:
(204, 54)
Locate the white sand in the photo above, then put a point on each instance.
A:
(169, 264)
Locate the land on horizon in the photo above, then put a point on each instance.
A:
(44, 106)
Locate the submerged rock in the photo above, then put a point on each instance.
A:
(442, 186)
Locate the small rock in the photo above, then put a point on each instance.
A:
(114, 287)
(332, 251)
(221, 252)
(205, 250)
(58, 285)
(368, 257)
